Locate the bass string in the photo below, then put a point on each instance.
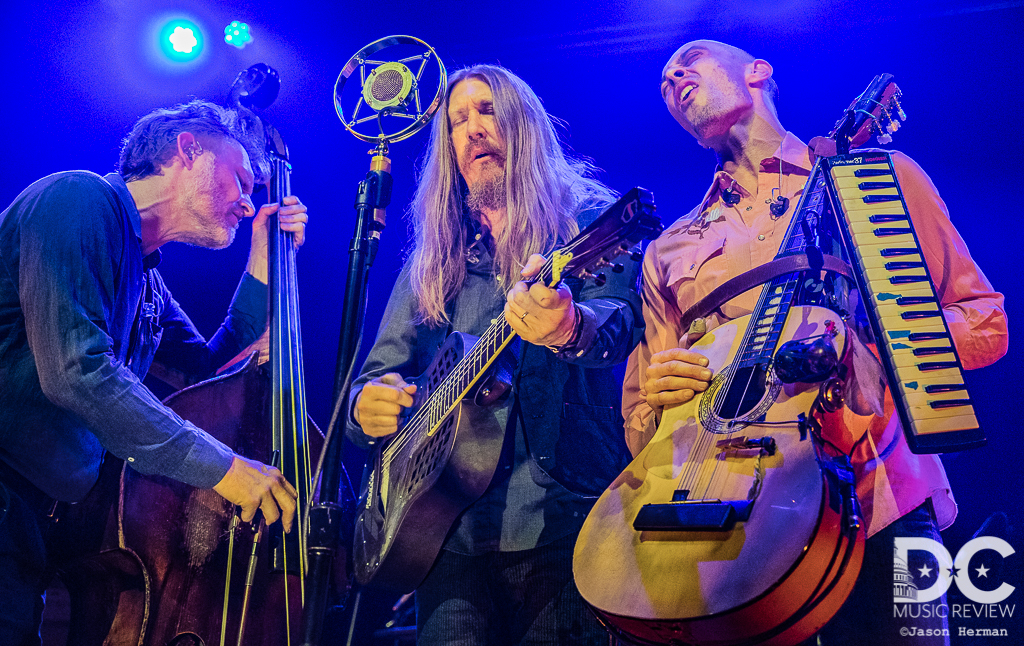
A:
(300, 429)
(289, 402)
(299, 449)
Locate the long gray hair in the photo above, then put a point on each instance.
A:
(545, 189)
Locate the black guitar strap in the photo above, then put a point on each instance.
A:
(759, 276)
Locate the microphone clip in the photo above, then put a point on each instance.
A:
(730, 195)
(778, 205)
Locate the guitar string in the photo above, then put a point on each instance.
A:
(783, 289)
(450, 384)
(786, 287)
(453, 382)
(470, 363)
(778, 287)
(704, 447)
(431, 412)
(464, 366)
(706, 440)
(425, 413)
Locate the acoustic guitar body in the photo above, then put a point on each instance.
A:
(775, 576)
(420, 484)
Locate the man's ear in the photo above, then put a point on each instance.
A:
(188, 149)
(759, 72)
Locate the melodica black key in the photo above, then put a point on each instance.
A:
(920, 360)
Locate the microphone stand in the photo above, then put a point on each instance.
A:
(327, 518)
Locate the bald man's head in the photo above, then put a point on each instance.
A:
(727, 52)
(709, 86)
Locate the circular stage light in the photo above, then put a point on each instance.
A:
(237, 34)
(181, 40)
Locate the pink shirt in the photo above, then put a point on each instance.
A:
(685, 264)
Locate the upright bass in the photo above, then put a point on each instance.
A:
(178, 567)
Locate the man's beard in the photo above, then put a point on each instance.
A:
(488, 193)
(200, 201)
(711, 120)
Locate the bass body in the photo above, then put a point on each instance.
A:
(726, 528)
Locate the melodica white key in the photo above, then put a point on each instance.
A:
(917, 351)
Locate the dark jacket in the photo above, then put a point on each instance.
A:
(570, 400)
(83, 315)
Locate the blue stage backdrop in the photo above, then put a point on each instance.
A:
(79, 73)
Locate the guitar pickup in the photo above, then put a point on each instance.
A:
(692, 516)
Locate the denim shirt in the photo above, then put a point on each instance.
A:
(83, 315)
(569, 401)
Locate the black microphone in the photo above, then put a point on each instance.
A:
(779, 206)
(730, 196)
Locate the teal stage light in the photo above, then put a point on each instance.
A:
(181, 40)
(237, 34)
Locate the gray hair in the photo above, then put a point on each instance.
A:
(152, 140)
(546, 189)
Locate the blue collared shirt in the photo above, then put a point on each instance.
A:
(568, 440)
(83, 315)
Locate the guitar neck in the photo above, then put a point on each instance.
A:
(777, 297)
(455, 386)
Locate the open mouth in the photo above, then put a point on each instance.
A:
(686, 92)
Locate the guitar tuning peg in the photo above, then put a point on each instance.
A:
(899, 108)
(600, 279)
(618, 268)
(636, 256)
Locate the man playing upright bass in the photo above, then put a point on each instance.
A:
(84, 314)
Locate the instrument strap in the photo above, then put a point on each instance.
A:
(759, 276)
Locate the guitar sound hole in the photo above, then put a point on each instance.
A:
(431, 456)
(744, 393)
(443, 366)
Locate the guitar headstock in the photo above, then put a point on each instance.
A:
(623, 224)
(876, 111)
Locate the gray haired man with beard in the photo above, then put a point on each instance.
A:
(84, 314)
(495, 191)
